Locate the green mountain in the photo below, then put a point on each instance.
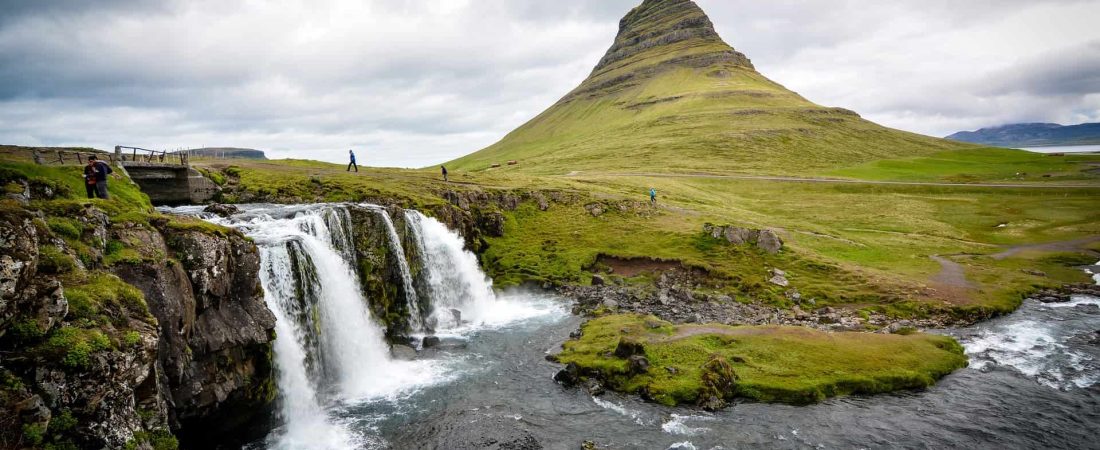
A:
(671, 96)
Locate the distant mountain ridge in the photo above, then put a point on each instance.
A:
(226, 152)
(1033, 135)
(670, 95)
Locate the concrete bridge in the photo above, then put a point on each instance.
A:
(167, 178)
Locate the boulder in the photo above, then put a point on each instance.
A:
(594, 209)
(430, 341)
(222, 210)
(568, 376)
(638, 365)
(779, 280)
(769, 242)
(598, 280)
(594, 387)
(628, 347)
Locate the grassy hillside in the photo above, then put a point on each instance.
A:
(671, 96)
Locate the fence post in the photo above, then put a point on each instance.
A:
(79, 159)
(60, 157)
(118, 153)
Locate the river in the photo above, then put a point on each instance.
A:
(1033, 381)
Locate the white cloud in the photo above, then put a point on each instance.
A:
(412, 83)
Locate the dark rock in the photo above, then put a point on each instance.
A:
(594, 387)
(598, 280)
(222, 210)
(628, 348)
(431, 341)
(492, 223)
(638, 365)
(719, 383)
(568, 376)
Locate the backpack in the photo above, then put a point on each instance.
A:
(106, 168)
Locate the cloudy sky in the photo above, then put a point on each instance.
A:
(416, 82)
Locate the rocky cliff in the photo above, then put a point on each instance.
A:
(125, 329)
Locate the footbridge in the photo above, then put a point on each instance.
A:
(167, 178)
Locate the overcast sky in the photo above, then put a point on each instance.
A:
(416, 82)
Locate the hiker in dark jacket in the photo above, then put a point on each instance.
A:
(444, 172)
(95, 177)
(352, 163)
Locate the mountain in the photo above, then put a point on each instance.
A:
(671, 96)
(226, 152)
(1033, 135)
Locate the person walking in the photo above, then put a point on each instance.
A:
(653, 196)
(351, 153)
(95, 177)
(444, 172)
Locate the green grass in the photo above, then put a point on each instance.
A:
(984, 165)
(104, 298)
(73, 346)
(771, 364)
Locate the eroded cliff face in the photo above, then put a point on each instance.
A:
(109, 348)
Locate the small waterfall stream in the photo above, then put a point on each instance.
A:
(416, 317)
(460, 292)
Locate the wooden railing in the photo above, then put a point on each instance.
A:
(62, 157)
(124, 153)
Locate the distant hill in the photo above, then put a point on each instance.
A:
(227, 152)
(671, 96)
(1033, 135)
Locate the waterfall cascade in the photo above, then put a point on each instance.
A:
(331, 353)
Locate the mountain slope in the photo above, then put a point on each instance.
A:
(671, 95)
(1032, 135)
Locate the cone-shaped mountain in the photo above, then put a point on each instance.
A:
(671, 96)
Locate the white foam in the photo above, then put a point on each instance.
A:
(677, 424)
(612, 406)
(686, 445)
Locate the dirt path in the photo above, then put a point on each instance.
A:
(843, 181)
(1060, 246)
(951, 274)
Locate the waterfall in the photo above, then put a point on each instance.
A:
(331, 356)
(416, 317)
(329, 349)
(455, 282)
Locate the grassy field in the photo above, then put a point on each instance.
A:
(851, 245)
(690, 363)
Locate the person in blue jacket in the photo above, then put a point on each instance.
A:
(653, 196)
(351, 164)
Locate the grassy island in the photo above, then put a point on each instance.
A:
(688, 364)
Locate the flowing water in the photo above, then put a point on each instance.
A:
(1033, 382)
